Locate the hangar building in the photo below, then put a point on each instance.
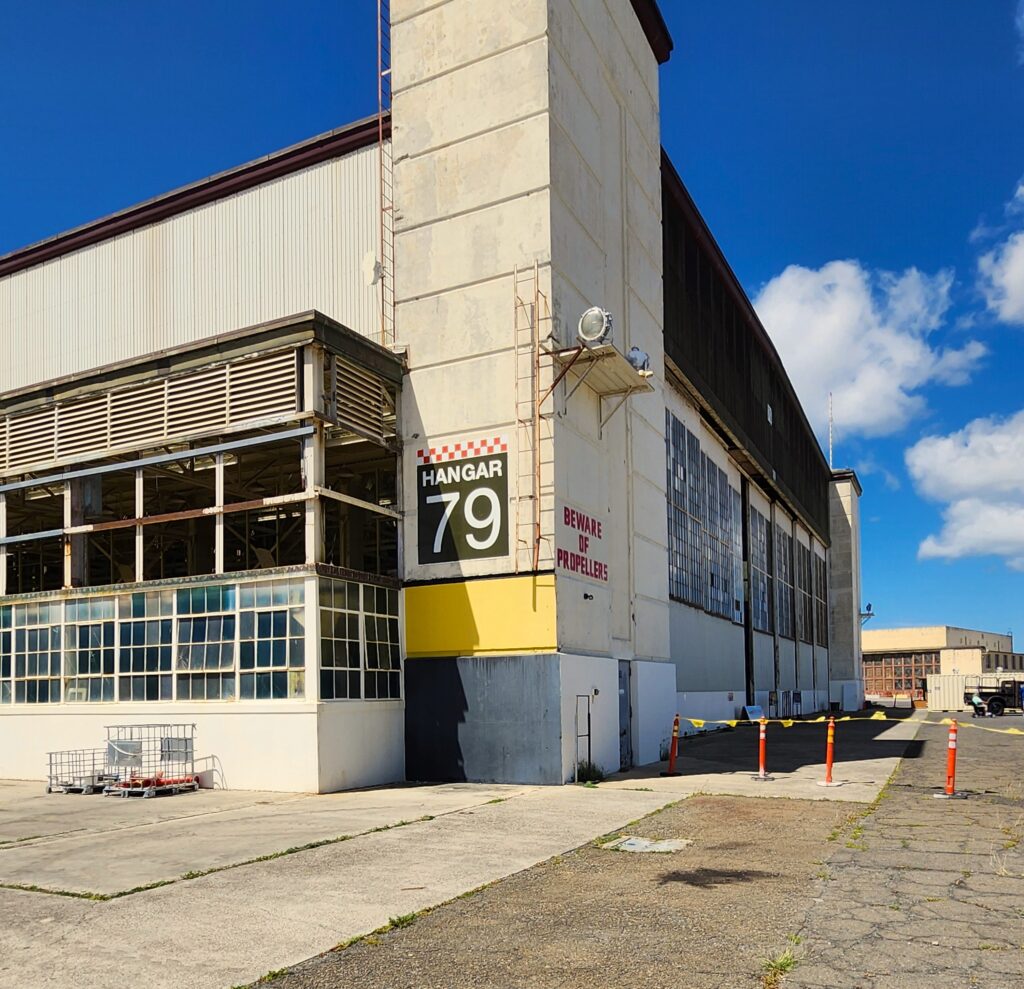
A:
(319, 455)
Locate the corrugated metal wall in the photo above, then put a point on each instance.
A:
(946, 690)
(299, 242)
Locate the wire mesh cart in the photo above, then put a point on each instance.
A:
(151, 760)
(78, 771)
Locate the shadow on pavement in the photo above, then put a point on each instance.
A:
(789, 749)
(706, 878)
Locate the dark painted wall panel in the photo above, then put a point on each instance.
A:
(492, 719)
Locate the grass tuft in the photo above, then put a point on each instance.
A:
(775, 968)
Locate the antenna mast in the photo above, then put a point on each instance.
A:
(386, 270)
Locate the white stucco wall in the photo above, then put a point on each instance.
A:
(598, 678)
(360, 744)
(652, 686)
(266, 746)
(710, 705)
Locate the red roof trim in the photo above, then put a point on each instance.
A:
(333, 144)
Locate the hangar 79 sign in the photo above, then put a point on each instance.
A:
(462, 501)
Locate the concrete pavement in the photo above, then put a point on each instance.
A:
(229, 927)
(867, 752)
(925, 893)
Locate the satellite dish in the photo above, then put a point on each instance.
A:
(595, 326)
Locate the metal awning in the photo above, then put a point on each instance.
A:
(604, 370)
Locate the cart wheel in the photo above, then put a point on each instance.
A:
(996, 706)
(49, 789)
(148, 793)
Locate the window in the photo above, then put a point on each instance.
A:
(784, 582)
(678, 521)
(6, 688)
(704, 535)
(805, 598)
(272, 640)
(145, 634)
(205, 660)
(820, 601)
(340, 665)
(737, 557)
(760, 571)
(360, 649)
(89, 650)
(37, 653)
(383, 677)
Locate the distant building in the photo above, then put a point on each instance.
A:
(898, 660)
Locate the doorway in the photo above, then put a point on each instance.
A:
(625, 717)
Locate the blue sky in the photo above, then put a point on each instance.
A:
(858, 163)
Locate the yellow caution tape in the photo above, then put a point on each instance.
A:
(876, 716)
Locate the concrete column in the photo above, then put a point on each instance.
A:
(313, 452)
(846, 674)
(313, 477)
(74, 546)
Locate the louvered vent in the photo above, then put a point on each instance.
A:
(182, 406)
(358, 400)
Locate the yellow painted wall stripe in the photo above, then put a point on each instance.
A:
(497, 616)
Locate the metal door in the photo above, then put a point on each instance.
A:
(625, 709)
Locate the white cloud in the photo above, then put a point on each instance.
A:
(1018, 22)
(1001, 273)
(1016, 203)
(978, 472)
(864, 337)
(869, 465)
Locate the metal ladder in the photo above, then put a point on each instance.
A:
(531, 310)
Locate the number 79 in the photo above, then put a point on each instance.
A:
(491, 520)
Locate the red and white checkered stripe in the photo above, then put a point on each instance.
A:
(462, 451)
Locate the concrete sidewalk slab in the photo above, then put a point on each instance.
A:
(211, 830)
(231, 927)
(28, 813)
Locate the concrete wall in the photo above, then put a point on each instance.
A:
(297, 243)
(360, 744)
(931, 638)
(712, 705)
(472, 157)
(652, 689)
(606, 250)
(268, 746)
(764, 662)
(845, 590)
(707, 651)
(592, 680)
(487, 719)
(963, 660)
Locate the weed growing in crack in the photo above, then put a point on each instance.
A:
(775, 968)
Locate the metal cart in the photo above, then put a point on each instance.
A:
(151, 760)
(78, 771)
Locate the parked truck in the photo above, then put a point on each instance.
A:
(1008, 694)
